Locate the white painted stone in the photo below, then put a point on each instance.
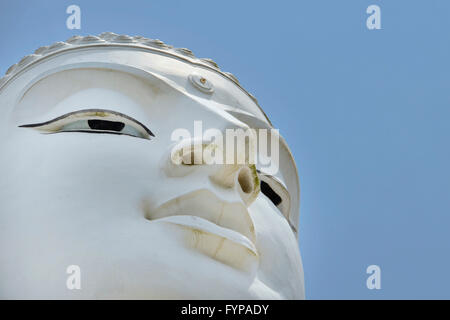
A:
(115, 205)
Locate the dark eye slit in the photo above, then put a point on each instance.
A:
(95, 124)
(106, 125)
(270, 193)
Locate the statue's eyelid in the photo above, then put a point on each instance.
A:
(96, 121)
(277, 193)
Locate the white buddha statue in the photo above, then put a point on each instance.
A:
(92, 177)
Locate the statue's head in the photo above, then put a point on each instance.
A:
(151, 170)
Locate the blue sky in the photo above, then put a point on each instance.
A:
(366, 114)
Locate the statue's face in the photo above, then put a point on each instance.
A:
(88, 180)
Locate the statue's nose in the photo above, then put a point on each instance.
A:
(242, 178)
(209, 161)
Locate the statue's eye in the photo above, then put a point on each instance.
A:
(274, 190)
(94, 121)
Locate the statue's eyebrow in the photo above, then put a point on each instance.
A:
(96, 114)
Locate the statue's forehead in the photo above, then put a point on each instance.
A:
(75, 88)
(181, 72)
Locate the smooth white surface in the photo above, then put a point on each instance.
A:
(88, 199)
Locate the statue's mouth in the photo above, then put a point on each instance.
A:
(219, 229)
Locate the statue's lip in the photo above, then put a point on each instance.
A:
(204, 211)
(221, 244)
(201, 225)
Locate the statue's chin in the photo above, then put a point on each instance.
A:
(127, 257)
(122, 259)
(157, 261)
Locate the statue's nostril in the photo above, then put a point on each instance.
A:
(245, 180)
